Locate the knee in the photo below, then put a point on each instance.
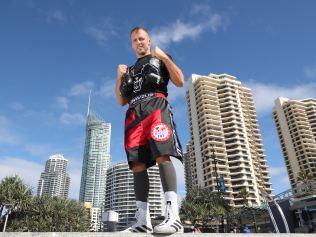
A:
(138, 167)
(163, 159)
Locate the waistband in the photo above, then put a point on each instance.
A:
(144, 97)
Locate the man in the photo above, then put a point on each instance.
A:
(150, 135)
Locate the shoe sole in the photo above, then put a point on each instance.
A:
(169, 233)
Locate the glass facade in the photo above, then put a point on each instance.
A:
(96, 160)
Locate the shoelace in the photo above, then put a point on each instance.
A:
(137, 214)
(167, 213)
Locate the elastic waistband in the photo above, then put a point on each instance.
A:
(143, 97)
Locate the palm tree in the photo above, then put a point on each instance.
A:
(305, 176)
(244, 194)
(14, 191)
(305, 182)
(45, 214)
(203, 206)
(14, 196)
(52, 214)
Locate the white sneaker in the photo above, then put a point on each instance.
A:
(172, 223)
(143, 222)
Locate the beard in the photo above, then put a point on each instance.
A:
(142, 52)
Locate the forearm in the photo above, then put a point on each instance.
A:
(175, 72)
(119, 98)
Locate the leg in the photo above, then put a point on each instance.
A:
(141, 182)
(172, 223)
(167, 174)
(141, 188)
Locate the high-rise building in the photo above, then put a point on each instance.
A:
(96, 160)
(296, 126)
(225, 138)
(54, 181)
(120, 196)
(187, 169)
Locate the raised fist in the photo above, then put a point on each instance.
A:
(121, 69)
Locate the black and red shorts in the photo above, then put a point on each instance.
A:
(149, 130)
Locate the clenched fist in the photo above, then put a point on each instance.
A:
(158, 53)
(121, 69)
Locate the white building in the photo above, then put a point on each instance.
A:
(296, 126)
(222, 118)
(95, 217)
(120, 196)
(54, 181)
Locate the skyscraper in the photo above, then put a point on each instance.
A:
(54, 181)
(223, 120)
(120, 196)
(96, 160)
(187, 169)
(296, 126)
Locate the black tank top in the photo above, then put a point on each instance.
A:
(139, 84)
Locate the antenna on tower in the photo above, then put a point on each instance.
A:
(89, 102)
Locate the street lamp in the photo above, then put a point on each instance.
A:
(220, 185)
(8, 208)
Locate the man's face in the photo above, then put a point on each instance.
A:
(140, 42)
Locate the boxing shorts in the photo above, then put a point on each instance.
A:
(149, 130)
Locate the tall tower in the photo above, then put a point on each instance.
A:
(296, 126)
(223, 120)
(54, 181)
(96, 160)
(120, 195)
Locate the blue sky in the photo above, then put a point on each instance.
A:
(53, 52)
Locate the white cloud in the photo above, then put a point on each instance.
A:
(7, 136)
(75, 177)
(62, 102)
(29, 171)
(279, 178)
(265, 94)
(81, 88)
(52, 15)
(274, 171)
(310, 72)
(72, 119)
(200, 9)
(56, 15)
(178, 31)
(16, 106)
(107, 89)
(102, 32)
(39, 150)
(176, 93)
(3, 120)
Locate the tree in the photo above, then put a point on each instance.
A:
(40, 213)
(14, 195)
(51, 214)
(305, 176)
(306, 184)
(244, 194)
(202, 206)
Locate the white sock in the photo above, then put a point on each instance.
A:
(171, 196)
(142, 205)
